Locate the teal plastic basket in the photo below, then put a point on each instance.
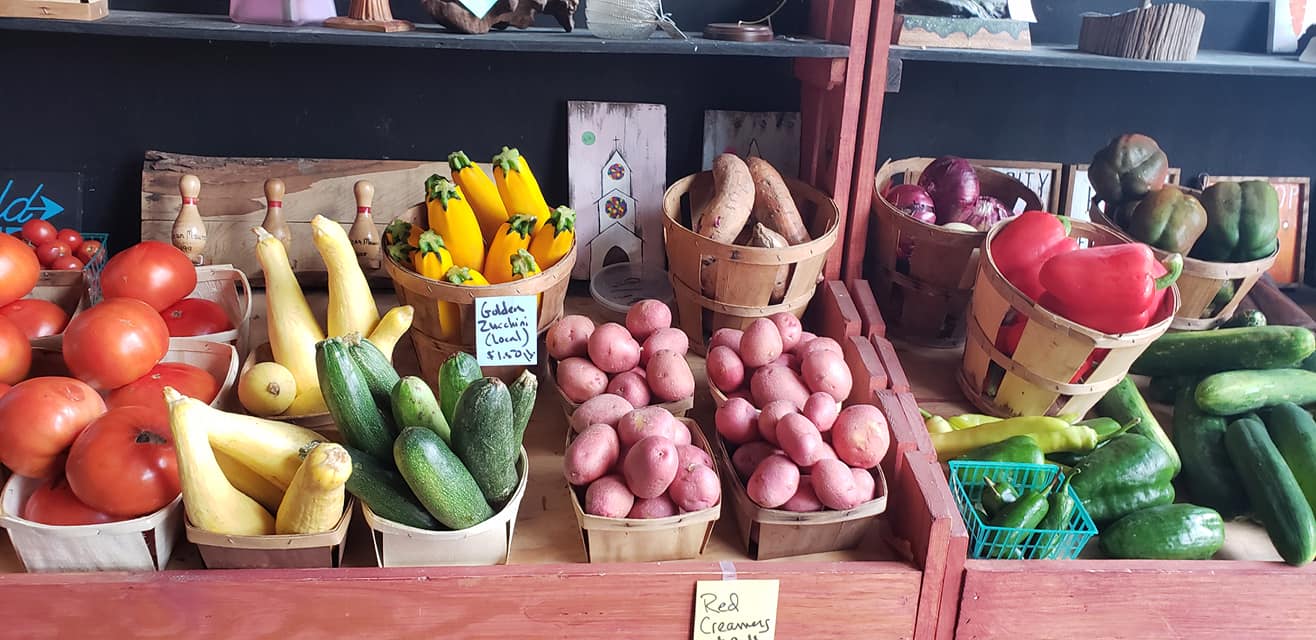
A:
(967, 482)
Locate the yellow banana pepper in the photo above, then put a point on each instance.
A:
(552, 243)
(467, 276)
(451, 216)
(482, 192)
(513, 236)
(935, 423)
(518, 188)
(433, 261)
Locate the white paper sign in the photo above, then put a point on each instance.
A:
(505, 331)
(735, 610)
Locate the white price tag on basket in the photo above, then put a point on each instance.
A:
(505, 331)
(736, 610)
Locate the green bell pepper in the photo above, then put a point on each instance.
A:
(1022, 449)
(1168, 219)
(1127, 168)
(1242, 222)
(1129, 473)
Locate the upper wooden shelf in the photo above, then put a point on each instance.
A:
(1067, 57)
(426, 36)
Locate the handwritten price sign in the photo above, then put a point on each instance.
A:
(735, 610)
(505, 331)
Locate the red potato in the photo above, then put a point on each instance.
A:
(865, 487)
(725, 370)
(827, 372)
(775, 382)
(681, 434)
(696, 487)
(804, 500)
(602, 409)
(805, 338)
(726, 337)
(687, 454)
(644, 422)
(569, 337)
(800, 439)
(580, 380)
(774, 481)
(639, 371)
(608, 497)
(834, 484)
(747, 457)
(769, 417)
(788, 360)
(669, 339)
(789, 327)
(822, 409)
(820, 344)
(742, 392)
(649, 508)
(632, 386)
(737, 421)
(670, 377)
(591, 455)
(825, 452)
(612, 349)
(650, 466)
(861, 436)
(761, 343)
(646, 317)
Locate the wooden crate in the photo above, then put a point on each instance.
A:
(304, 551)
(678, 408)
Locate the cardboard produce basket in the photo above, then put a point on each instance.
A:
(300, 551)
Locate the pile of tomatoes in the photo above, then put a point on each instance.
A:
(58, 249)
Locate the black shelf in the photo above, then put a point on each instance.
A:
(426, 36)
(1068, 57)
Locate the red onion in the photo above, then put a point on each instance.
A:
(985, 213)
(953, 186)
(914, 200)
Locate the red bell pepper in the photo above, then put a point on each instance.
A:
(1028, 241)
(1112, 289)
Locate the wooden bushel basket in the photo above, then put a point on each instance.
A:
(925, 301)
(432, 346)
(1201, 280)
(678, 537)
(228, 287)
(745, 275)
(299, 551)
(677, 408)
(1036, 380)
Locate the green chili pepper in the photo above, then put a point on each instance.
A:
(997, 495)
(935, 423)
(1020, 449)
(1060, 509)
(1020, 517)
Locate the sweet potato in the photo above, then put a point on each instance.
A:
(612, 349)
(669, 338)
(861, 436)
(761, 343)
(569, 337)
(773, 204)
(646, 317)
(647, 508)
(726, 336)
(726, 213)
(591, 455)
(774, 481)
(822, 409)
(790, 329)
(650, 466)
(631, 386)
(748, 456)
(580, 380)
(606, 409)
(670, 377)
(695, 487)
(644, 422)
(827, 372)
(761, 236)
(834, 484)
(725, 370)
(775, 382)
(800, 439)
(804, 500)
(737, 421)
(608, 497)
(769, 417)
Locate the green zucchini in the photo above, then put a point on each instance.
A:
(1277, 500)
(1203, 352)
(1125, 404)
(1165, 389)
(524, 391)
(1207, 471)
(414, 405)
(384, 490)
(350, 403)
(374, 366)
(1245, 318)
(455, 374)
(1294, 432)
(1236, 392)
(484, 437)
(1167, 532)
(439, 480)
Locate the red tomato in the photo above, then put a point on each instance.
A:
(66, 263)
(15, 352)
(70, 237)
(4, 388)
(38, 232)
(152, 271)
(40, 418)
(88, 249)
(54, 503)
(148, 390)
(195, 317)
(115, 342)
(47, 252)
(124, 463)
(35, 318)
(20, 268)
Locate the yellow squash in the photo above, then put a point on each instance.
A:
(314, 502)
(451, 216)
(293, 329)
(513, 236)
(482, 193)
(391, 328)
(524, 265)
(433, 261)
(552, 243)
(465, 276)
(518, 188)
(351, 305)
(249, 482)
(400, 230)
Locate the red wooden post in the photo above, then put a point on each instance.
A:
(869, 313)
(865, 369)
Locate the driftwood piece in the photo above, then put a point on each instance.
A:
(505, 13)
(1161, 32)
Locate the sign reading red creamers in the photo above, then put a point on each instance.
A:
(506, 331)
(735, 610)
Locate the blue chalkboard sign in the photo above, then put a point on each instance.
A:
(28, 195)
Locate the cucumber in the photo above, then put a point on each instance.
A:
(1235, 392)
(374, 366)
(1167, 532)
(523, 390)
(1203, 352)
(414, 405)
(484, 437)
(1245, 318)
(455, 374)
(349, 400)
(1207, 471)
(1294, 432)
(439, 480)
(384, 490)
(1125, 404)
(1165, 389)
(1277, 500)
(1308, 363)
